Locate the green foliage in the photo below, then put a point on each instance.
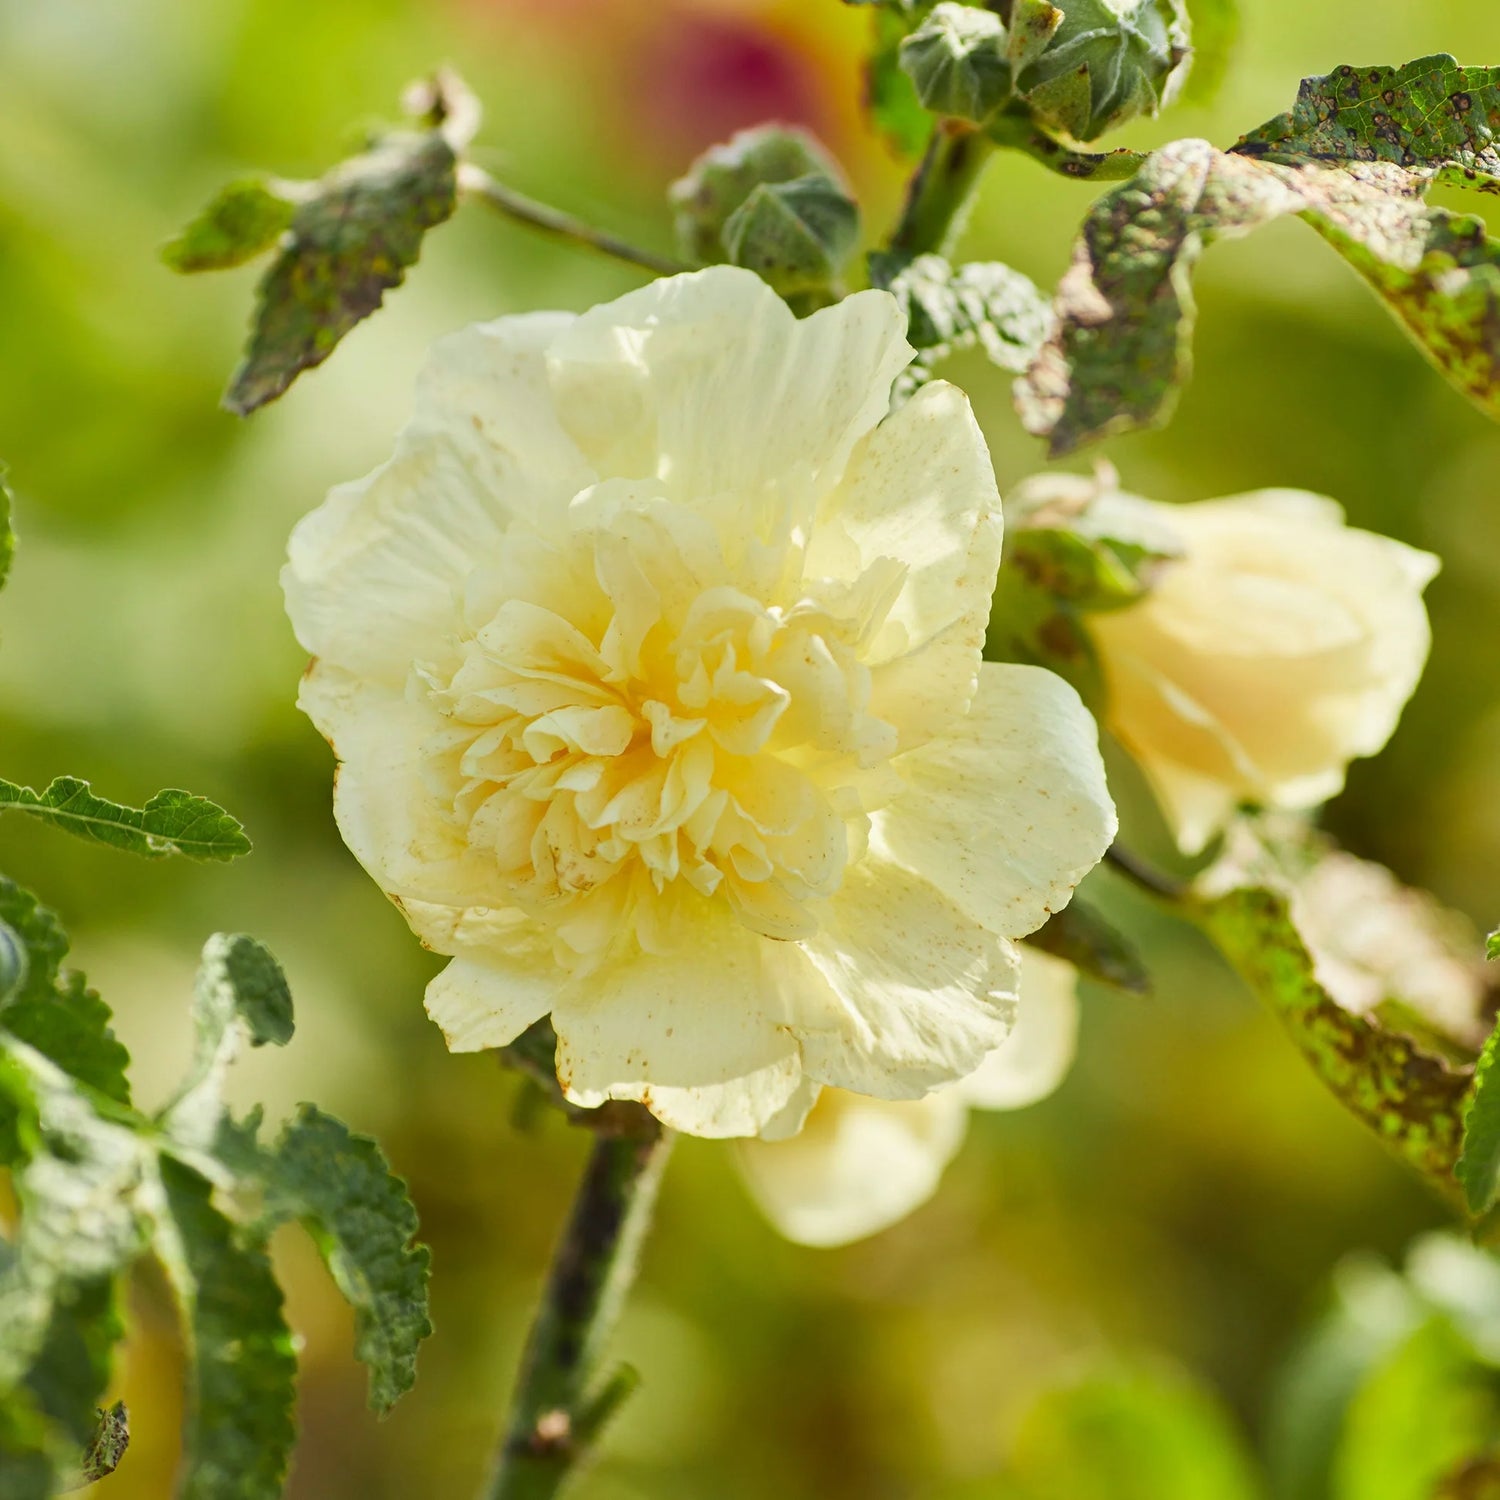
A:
(172, 822)
(1492, 945)
(243, 221)
(795, 235)
(890, 96)
(1140, 1433)
(1478, 1167)
(1413, 1100)
(338, 1184)
(99, 1186)
(958, 63)
(1215, 28)
(1353, 159)
(1095, 947)
(724, 176)
(7, 535)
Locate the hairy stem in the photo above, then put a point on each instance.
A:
(1154, 882)
(1015, 132)
(942, 189)
(475, 182)
(560, 1404)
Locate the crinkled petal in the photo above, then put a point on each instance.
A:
(918, 992)
(488, 1003)
(858, 1166)
(1031, 1062)
(1008, 811)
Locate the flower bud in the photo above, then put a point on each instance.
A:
(795, 235)
(1109, 61)
(957, 60)
(722, 179)
(12, 963)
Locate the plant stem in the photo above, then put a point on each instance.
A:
(475, 182)
(1146, 877)
(942, 189)
(559, 1406)
(1015, 132)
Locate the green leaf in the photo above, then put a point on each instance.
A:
(1431, 115)
(1139, 1434)
(984, 305)
(1031, 28)
(957, 60)
(1413, 1100)
(172, 822)
(1492, 945)
(111, 1438)
(14, 965)
(1095, 947)
(245, 219)
(890, 96)
(363, 1222)
(239, 1429)
(241, 995)
(1478, 1169)
(350, 242)
(795, 235)
(1216, 34)
(1121, 347)
(53, 1010)
(7, 535)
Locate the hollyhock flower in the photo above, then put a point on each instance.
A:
(860, 1165)
(652, 662)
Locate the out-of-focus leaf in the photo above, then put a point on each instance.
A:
(794, 235)
(1413, 1100)
(362, 1219)
(14, 965)
(1422, 1410)
(352, 241)
(890, 96)
(1216, 33)
(1478, 1169)
(1121, 348)
(983, 304)
(1471, 1479)
(1492, 945)
(1079, 934)
(172, 822)
(1140, 1434)
(240, 1425)
(1091, 572)
(7, 535)
(245, 219)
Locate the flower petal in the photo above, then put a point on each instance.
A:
(1031, 1062)
(1010, 810)
(917, 992)
(858, 1166)
(488, 1003)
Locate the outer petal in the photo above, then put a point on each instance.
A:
(708, 382)
(917, 992)
(374, 576)
(489, 1003)
(858, 1166)
(385, 810)
(1031, 1062)
(694, 1033)
(1010, 810)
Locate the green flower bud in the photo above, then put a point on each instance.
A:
(12, 963)
(957, 60)
(722, 179)
(795, 235)
(1109, 61)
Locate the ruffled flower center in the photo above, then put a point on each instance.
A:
(628, 726)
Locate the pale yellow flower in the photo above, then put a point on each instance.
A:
(1278, 647)
(860, 1165)
(653, 665)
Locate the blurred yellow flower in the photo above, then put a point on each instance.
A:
(1280, 646)
(860, 1165)
(653, 665)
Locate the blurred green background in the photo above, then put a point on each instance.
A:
(1189, 1190)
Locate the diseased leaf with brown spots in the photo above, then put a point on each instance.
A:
(349, 243)
(1412, 1100)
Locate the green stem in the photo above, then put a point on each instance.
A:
(1155, 883)
(942, 190)
(559, 1405)
(1016, 132)
(475, 182)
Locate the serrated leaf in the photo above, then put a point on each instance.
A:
(1121, 347)
(53, 1010)
(982, 304)
(244, 219)
(362, 1219)
(1094, 946)
(1478, 1169)
(354, 238)
(7, 535)
(241, 995)
(239, 1427)
(172, 822)
(1413, 1100)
